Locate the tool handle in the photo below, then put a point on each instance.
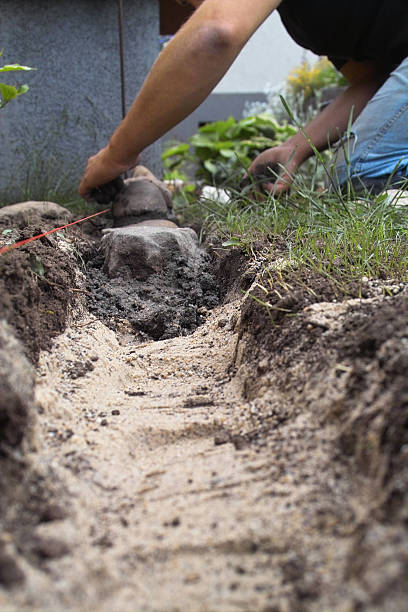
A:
(104, 194)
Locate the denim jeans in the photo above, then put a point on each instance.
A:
(377, 145)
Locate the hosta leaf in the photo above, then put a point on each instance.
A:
(210, 166)
(176, 150)
(228, 153)
(217, 128)
(198, 140)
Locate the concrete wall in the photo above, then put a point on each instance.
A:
(74, 102)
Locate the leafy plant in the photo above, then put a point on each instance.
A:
(305, 89)
(10, 92)
(223, 150)
(306, 80)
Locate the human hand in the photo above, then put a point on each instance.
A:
(273, 170)
(100, 170)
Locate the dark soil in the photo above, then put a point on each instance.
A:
(36, 288)
(171, 303)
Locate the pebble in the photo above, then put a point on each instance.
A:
(222, 437)
(49, 548)
(198, 400)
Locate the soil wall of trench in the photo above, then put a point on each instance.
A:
(321, 402)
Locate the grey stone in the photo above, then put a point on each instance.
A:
(143, 172)
(156, 223)
(142, 197)
(24, 211)
(16, 389)
(138, 251)
(74, 101)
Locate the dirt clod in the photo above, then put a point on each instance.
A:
(35, 299)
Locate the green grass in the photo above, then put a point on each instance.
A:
(343, 237)
(40, 172)
(43, 179)
(340, 237)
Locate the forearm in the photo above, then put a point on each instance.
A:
(182, 77)
(329, 125)
(187, 71)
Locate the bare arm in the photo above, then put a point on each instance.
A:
(365, 78)
(182, 77)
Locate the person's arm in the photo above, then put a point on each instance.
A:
(365, 78)
(183, 75)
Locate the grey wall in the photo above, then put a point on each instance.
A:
(74, 102)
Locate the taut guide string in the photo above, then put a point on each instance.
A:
(9, 247)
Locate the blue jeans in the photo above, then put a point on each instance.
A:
(377, 145)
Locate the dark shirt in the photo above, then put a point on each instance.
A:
(349, 29)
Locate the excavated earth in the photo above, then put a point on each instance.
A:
(256, 462)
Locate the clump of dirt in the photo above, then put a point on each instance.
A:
(170, 303)
(36, 283)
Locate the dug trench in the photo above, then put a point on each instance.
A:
(245, 455)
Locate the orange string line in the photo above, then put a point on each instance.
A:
(9, 247)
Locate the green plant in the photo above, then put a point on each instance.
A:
(223, 150)
(306, 80)
(306, 88)
(10, 92)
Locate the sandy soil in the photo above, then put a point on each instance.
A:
(258, 464)
(159, 517)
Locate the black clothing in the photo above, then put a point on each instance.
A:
(349, 29)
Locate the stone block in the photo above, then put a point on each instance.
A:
(138, 251)
(24, 212)
(142, 197)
